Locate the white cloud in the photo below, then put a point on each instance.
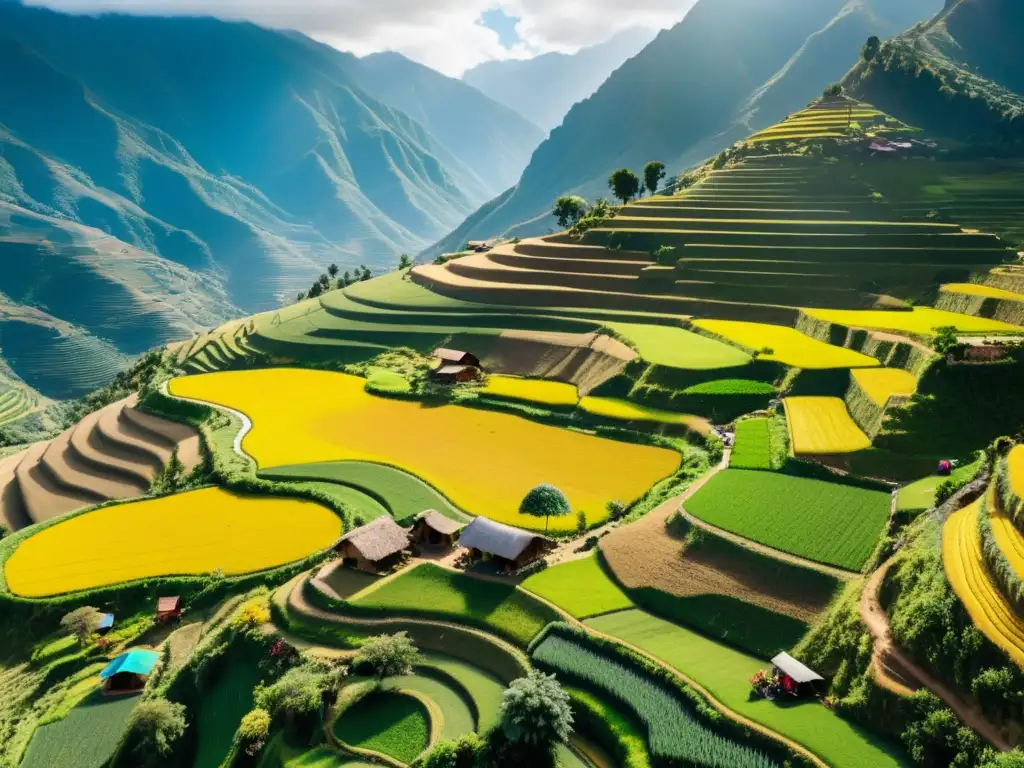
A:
(439, 33)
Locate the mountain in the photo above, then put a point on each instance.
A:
(709, 81)
(958, 76)
(543, 89)
(157, 175)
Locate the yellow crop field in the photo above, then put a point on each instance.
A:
(1007, 537)
(484, 461)
(613, 408)
(188, 533)
(882, 383)
(921, 320)
(788, 345)
(531, 390)
(1015, 462)
(965, 568)
(982, 290)
(822, 425)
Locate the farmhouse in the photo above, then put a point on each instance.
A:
(374, 547)
(456, 357)
(796, 678)
(129, 672)
(435, 530)
(456, 366)
(511, 548)
(168, 608)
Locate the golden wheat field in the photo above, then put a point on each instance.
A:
(788, 346)
(1015, 464)
(882, 383)
(974, 289)
(921, 320)
(484, 461)
(187, 533)
(822, 425)
(531, 390)
(624, 410)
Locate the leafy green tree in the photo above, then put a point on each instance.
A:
(366, 274)
(297, 693)
(544, 501)
(654, 172)
(833, 91)
(325, 281)
(314, 291)
(333, 270)
(82, 623)
(300, 297)
(536, 711)
(569, 209)
(404, 261)
(388, 655)
(945, 339)
(154, 727)
(458, 753)
(624, 184)
(870, 49)
(347, 277)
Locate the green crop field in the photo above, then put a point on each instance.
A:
(730, 387)
(752, 448)
(222, 709)
(678, 348)
(388, 382)
(429, 589)
(830, 523)
(725, 673)
(920, 495)
(402, 494)
(673, 732)
(387, 722)
(85, 738)
(579, 587)
(483, 688)
(458, 717)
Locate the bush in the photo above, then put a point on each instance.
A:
(253, 731)
(535, 710)
(388, 655)
(300, 693)
(581, 522)
(154, 727)
(254, 613)
(458, 753)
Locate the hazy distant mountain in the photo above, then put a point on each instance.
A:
(730, 67)
(160, 174)
(544, 88)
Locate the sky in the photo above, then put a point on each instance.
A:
(448, 35)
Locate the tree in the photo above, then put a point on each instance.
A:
(366, 274)
(82, 623)
(173, 476)
(870, 49)
(404, 261)
(624, 184)
(654, 172)
(299, 692)
(544, 501)
(833, 91)
(458, 753)
(535, 710)
(153, 728)
(325, 281)
(569, 209)
(253, 731)
(315, 291)
(347, 277)
(945, 339)
(333, 270)
(388, 655)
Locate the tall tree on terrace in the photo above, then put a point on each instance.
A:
(624, 184)
(569, 209)
(654, 172)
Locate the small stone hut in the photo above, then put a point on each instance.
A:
(432, 529)
(511, 548)
(374, 547)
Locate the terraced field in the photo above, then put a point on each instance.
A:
(822, 426)
(531, 390)
(14, 404)
(880, 384)
(829, 120)
(1015, 466)
(224, 347)
(965, 568)
(921, 321)
(786, 345)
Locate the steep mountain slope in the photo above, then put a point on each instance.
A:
(158, 174)
(959, 76)
(543, 89)
(698, 87)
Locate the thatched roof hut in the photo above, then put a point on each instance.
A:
(374, 546)
(434, 529)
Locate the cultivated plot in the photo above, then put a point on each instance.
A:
(822, 426)
(678, 348)
(787, 345)
(882, 383)
(923, 321)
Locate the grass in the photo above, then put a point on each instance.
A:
(678, 348)
(531, 390)
(579, 587)
(826, 522)
(753, 445)
(822, 425)
(362, 505)
(624, 410)
(388, 722)
(880, 384)
(458, 717)
(975, 289)
(402, 495)
(725, 673)
(221, 709)
(387, 381)
(187, 533)
(788, 345)
(731, 387)
(432, 590)
(484, 461)
(483, 688)
(86, 738)
(319, 757)
(922, 321)
(920, 495)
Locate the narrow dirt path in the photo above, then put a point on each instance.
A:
(887, 658)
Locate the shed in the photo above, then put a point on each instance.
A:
(106, 623)
(796, 678)
(450, 374)
(511, 547)
(168, 608)
(456, 357)
(375, 546)
(129, 672)
(435, 530)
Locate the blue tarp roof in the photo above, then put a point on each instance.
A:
(132, 662)
(107, 621)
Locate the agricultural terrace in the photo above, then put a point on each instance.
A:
(579, 587)
(86, 736)
(624, 410)
(752, 447)
(978, 289)
(880, 384)
(1015, 466)
(187, 533)
(678, 348)
(221, 709)
(921, 321)
(920, 494)
(386, 721)
(826, 522)
(821, 426)
(788, 346)
(488, 463)
(545, 392)
(725, 673)
(965, 567)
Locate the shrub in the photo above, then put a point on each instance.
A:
(254, 613)
(253, 731)
(581, 522)
(535, 710)
(153, 729)
(569, 209)
(458, 753)
(300, 692)
(82, 623)
(833, 91)
(945, 339)
(388, 655)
